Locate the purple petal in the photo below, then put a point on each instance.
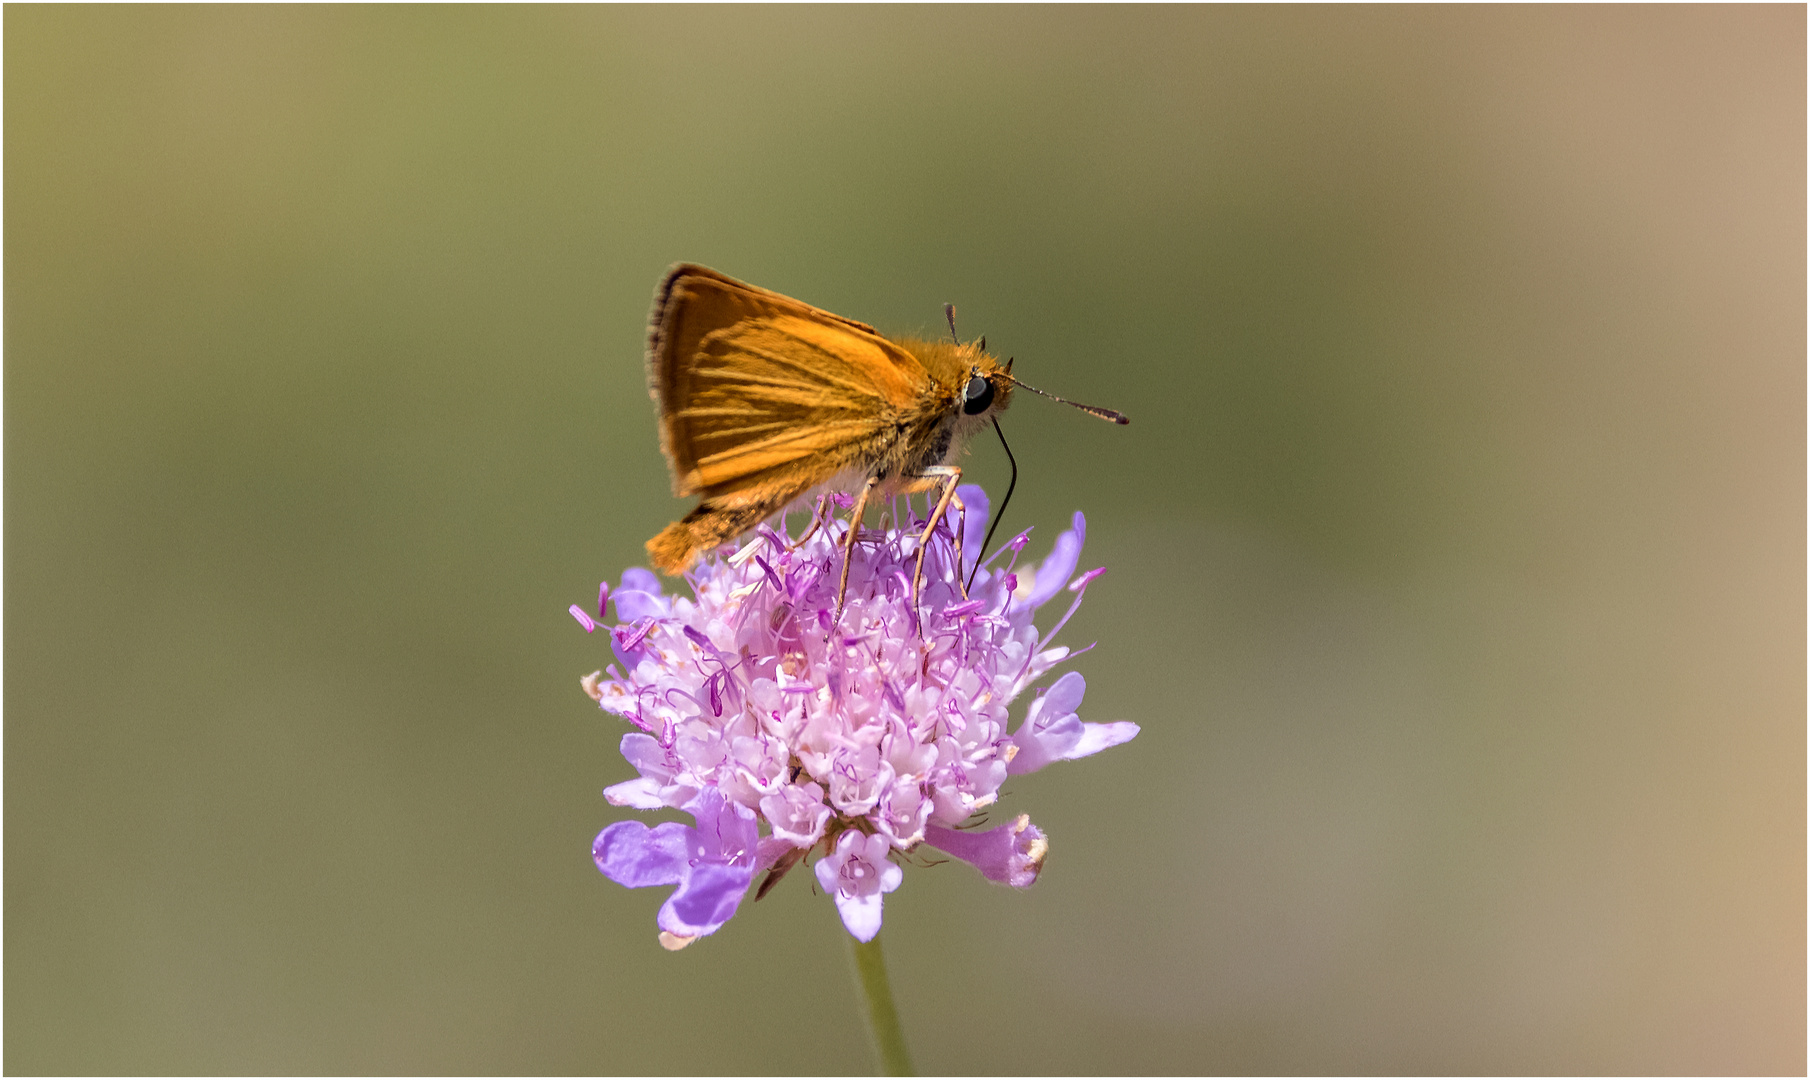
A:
(633, 605)
(656, 787)
(649, 758)
(641, 793)
(640, 580)
(829, 868)
(1098, 737)
(1011, 854)
(796, 813)
(727, 831)
(705, 900)
(1051, 743)
(629, 853)
(1055, 571)
(1053, 732)
(974, 528)
(861, 914)
(1063, 698)
(859, 889)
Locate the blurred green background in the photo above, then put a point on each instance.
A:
(1457, 548)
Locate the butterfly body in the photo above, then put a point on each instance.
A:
(764, 400)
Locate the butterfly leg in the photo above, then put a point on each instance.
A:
(848, 543)
(948, 476)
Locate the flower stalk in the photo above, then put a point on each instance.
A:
(881, 1014)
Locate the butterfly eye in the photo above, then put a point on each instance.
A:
(977, 396)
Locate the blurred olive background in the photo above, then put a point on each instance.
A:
(1457, 547)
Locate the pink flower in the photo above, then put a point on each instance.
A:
(1011, 854)
(858, 738)
(858, 875)
(711, 864)
(796, 813)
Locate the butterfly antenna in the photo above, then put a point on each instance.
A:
(949, 313)
(1092, 410)
(993, 525)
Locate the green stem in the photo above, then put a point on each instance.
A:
(882, 1016)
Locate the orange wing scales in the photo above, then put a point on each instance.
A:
(818, 375)
(757, 456)
(772, 389)
(762, 398)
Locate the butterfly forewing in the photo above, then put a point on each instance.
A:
(750, 382)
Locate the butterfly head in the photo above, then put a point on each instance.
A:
(988, 388)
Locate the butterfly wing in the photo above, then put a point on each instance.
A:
(753, 387)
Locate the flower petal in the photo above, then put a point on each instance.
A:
(1011, 854)
(629, 853)
(974, 526)
(633, 604)
(641, 793)
(861, 914)
(705, 900)
(640, 579)
(656, 787)
(1050, 729)
(857, 874)
(1055, 571)
(796, 813)
(1062, 698)
(829, 868)
(1053, 732)
(1098, 737)
(727, 832)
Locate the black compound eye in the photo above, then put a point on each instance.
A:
(977, 396)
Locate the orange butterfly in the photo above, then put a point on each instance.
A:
(764, 399)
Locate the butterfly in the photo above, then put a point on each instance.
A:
(763, 400)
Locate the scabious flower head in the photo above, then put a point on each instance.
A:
(859, 738)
